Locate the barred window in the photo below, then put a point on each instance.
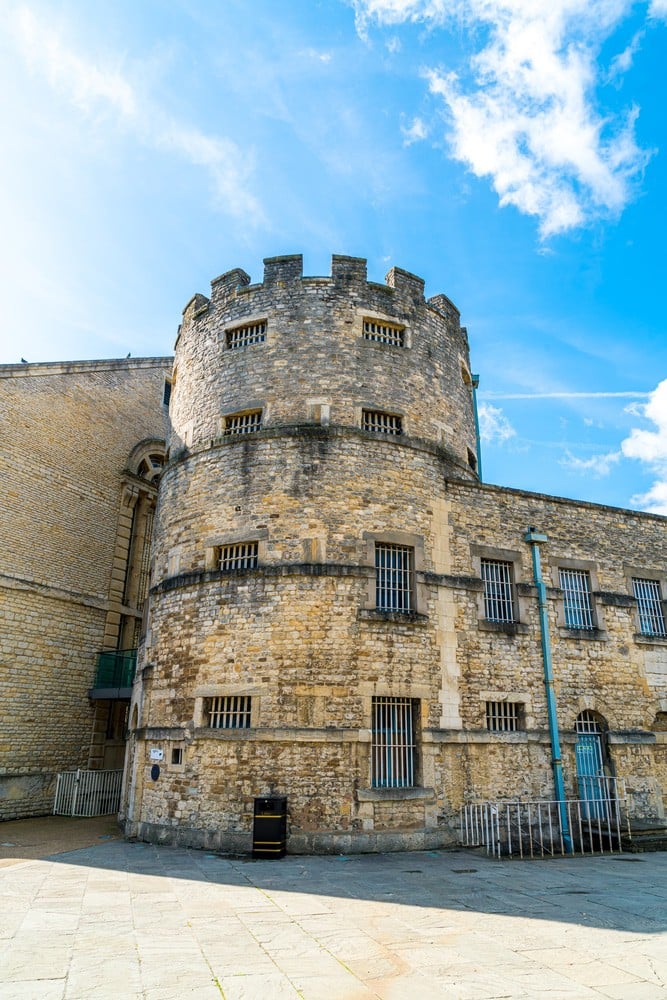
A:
(577, 601)
(393, 749)
(384, 333)
(244, 336)
(243, 423)
(228, 712)
(242, 555)
(504, 716)
(649, 605)
(394, 577)
(386, 423)
(588, 722)
(498, 601)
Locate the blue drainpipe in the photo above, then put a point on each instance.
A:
(478, 443)
(535, 539)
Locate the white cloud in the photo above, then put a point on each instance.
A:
(623, 61)
(98, 89)
(494, 427)
(525, 116)
(658, 9)
(596, 465)
(650, 448)
(415, 132)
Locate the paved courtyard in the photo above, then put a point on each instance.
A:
(119, 920)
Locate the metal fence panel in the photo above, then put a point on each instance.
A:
(87, 793)
(549, 827)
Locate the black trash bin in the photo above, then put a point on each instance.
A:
(269, 832)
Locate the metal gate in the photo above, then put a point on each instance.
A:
(87, 793)
(590, 766)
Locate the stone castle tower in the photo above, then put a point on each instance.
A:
(315, 422)
(341, 613)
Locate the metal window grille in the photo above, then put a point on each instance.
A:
(393, 747)
(243, 423)
(497, 578)
(243, 336)
(240, 556)
(384, 333)
(386, 423)
(576, 587)
(649, 604)
(587, 722)
(393, 577)
(229, 712)
(503, 716)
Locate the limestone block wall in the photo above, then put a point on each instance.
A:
(612, 669)
(66, 433)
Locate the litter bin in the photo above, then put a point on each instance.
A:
(269, 832)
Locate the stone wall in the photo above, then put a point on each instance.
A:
(67, 431)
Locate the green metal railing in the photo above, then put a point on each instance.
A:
(116, 669)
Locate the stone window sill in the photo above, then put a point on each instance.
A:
(394, 794)
(589, 634)
(507, 628)
(400, 617)
(650, 640)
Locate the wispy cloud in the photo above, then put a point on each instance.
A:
(99, 89)
(414, 132)
(494, 427)
(567, 394)
(524, 116)
(597, 465)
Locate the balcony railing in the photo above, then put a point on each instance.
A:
(116, 669)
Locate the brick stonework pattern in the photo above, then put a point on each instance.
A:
(67, 432)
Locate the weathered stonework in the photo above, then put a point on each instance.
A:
(300, 634)
(67, 434)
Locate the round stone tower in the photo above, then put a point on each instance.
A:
(295, 636)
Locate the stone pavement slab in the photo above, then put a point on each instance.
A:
(128, 920)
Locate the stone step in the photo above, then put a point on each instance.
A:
(645, 836)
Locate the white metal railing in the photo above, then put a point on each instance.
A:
(87, 793)
(547, 827)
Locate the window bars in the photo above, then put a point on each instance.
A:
(385, 423)
(243, 423)
(649, 604)
(576, 587)
(244, 336)
(497, 577)
(229, 711)
(242, 555)
(393, 577)
(587, 722)
(393, 747)
(503, 716)
(384, 333)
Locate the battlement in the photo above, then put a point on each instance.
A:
(347, 274)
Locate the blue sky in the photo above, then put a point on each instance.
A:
(514, 154)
